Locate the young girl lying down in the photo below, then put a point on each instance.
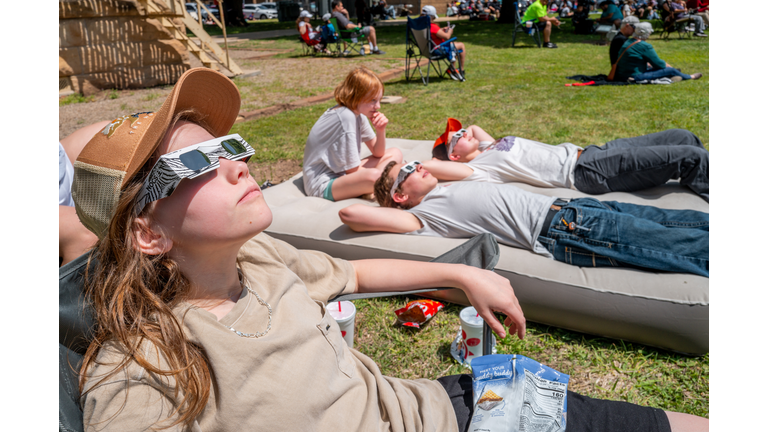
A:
(206, 323)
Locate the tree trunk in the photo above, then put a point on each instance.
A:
(507, 14)
(232, 11)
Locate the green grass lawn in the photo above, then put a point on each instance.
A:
(521, 91)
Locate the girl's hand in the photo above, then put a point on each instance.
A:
(489, 293)
(379, 121)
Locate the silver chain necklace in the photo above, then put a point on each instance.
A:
(244, 284)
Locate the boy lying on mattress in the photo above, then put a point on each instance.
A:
(584, 231)
(622, 165)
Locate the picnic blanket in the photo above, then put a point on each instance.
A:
(601, 79)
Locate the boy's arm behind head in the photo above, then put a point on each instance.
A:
(480, 134)
(448, 171)
(363, 218)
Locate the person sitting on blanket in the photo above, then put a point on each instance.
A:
(626, 30)
(181, 259)
(583, 231)
(639, 54)
(537, 12)
(621, 165)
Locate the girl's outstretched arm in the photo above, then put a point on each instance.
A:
(487, 291)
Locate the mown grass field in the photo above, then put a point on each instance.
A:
(518, 91)
(522, 91)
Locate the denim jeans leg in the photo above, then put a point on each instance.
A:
(591, 233)
(670, 137)
(634, 164)
(660, 73)
(697, 22)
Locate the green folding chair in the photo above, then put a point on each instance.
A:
(354, 38)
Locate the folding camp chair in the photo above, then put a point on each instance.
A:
(669, 24)
(419, 44)
(76, 321)
(306, 48)
(353, 37)
(520, 26)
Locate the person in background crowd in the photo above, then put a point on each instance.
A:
(639, 54)
(537, 12)
(611, 14)
(581, 22)
(342, 18)
(680, 11)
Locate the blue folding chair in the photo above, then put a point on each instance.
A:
(419, 44)
(520, 26)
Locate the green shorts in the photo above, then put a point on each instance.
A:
(327, 194)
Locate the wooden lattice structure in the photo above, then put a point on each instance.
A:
(121, 44)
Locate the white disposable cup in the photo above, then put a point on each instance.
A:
(472, 334)
(345, 318)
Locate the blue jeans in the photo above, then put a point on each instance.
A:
(614, 234)
(660, 73)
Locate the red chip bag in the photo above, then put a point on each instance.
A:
(418, 312)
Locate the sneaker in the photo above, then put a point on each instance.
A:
(452, 73)
(346, 52)
(677, 79)
(549, 45)
(378, 51)
(701, 34)
(695, 76)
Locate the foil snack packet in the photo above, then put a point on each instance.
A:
(513, 393)
(418, 312)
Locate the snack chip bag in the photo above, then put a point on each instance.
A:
(418, 312)
(517, 394)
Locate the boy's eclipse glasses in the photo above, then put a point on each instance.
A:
(455, 138)
(405, 171)
(190, 162)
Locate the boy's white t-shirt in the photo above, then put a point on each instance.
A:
(333, 146)
(515, 159)
(465, 209)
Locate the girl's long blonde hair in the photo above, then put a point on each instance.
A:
(133, 296)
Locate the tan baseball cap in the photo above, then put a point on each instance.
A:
(114, 155)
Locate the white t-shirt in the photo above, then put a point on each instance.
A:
(66, 173)
(465, 209)
(515, 159)
(333, 147)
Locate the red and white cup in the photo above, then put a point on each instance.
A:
(344, 313)
(471, 344)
